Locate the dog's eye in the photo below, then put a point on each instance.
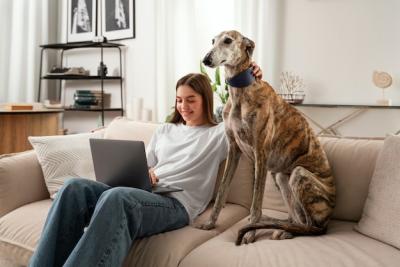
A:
(213, 41)
(227, 41)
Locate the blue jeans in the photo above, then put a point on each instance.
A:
(114, 218)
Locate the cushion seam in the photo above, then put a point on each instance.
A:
(14, 243)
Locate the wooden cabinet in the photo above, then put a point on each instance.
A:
(16, 126)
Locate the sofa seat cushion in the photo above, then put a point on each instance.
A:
(20, 231)
(168, 249)
(341, 246)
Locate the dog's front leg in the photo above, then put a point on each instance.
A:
(260, 176)
(230, 168)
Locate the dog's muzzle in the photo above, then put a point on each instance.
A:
(208, 59)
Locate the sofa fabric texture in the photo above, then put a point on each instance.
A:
(381, 216)
(341, 246)
(20, 231)
(21, 181)
(353, 164)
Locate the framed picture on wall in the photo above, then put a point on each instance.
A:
(81, 20)
(118, 19)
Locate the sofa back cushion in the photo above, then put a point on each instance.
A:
(21, 181)
(241, 188)
(382, 208)
(353, 162)
(126, 129)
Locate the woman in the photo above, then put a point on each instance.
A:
(92, 224)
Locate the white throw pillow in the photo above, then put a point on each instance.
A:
(65, 156)
(381, 215)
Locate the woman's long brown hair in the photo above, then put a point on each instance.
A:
(199, 83)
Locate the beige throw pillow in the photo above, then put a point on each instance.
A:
(65, 156)
(381, 215)
(125, 129)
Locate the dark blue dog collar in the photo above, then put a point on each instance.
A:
(243, 79)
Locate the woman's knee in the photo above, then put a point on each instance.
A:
(75, 183)
(77, 186)
(120, 196)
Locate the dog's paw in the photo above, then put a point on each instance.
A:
(206, 226)
(246, 238)
(281, 235)
(249, 237)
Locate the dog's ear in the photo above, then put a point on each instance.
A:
(249, 44)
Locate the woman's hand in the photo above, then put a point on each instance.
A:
(153, 177)
(257, 72)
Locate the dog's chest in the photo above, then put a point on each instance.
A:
(240, 124)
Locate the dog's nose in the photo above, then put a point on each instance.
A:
(207, 59)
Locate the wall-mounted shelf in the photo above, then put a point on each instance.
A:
(80, 77)
(345, 106)
(102, 78)
(356, 110)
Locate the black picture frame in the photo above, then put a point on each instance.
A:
(118, 21)
(81, 20)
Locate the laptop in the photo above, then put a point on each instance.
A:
(124, 163)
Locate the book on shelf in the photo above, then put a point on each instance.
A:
(74, 71)
(88, 107)
(90, 99)
(16, 106)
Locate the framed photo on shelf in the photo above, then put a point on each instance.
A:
(118, 19)
(81, 20)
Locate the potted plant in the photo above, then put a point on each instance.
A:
(220, 89)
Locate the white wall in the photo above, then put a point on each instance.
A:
(335, 45)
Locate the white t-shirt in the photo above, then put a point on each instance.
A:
(188, 157)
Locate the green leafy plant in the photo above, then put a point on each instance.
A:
(221, 90)
(169, 117)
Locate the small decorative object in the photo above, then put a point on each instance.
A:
(292, 88)
(118, 19)
(382, 80)
(102, 69)
(81, 20)
(99, 39)
(220, 89)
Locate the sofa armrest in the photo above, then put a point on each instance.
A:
(21, 181)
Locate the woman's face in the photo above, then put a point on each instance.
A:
(189, 104)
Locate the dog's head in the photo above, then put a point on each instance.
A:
(230, 48)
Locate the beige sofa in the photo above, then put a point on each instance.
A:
(24, 203)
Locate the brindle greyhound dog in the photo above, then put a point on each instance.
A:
(277, 138)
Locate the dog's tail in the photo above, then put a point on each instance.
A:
(293, 228)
